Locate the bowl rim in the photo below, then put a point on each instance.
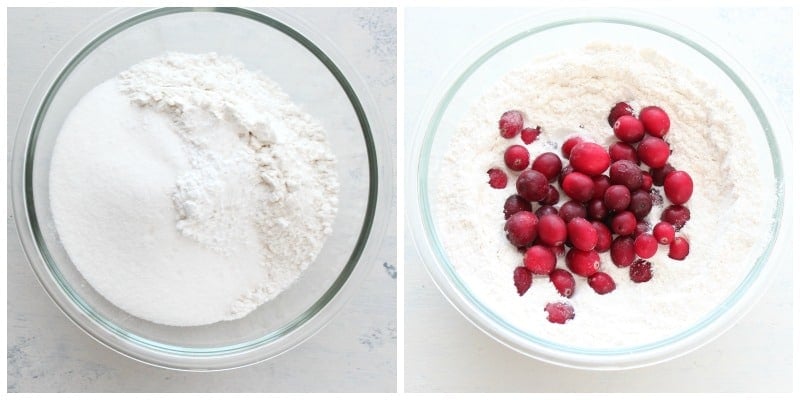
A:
(420, 221)
(151, 352)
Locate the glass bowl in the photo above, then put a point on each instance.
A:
(307, 67)
(543, 34)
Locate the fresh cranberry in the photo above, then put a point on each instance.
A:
(528, 135)
(676, 215)
(514, 204)
(589, 158)
(510, 123)
(551, 198)
(569, 144)
(659, 174)
(641, 227)
(623, 151)
(641, 271)
(679, 248)
(532, 185)
(497, 178)
(601, 183)
(678, 187)
(623, 251)
(558, 250)
(546, 210)
(617, 198)
(617, 111)
(653, 151)
(539, 260)
(548, 164)
(625, 172)
(628, 129)
(559, 313)
(623, 223)
(596, 210)
(563, 281)
(641, 204)
(583, 263)
(582, 234)
(521, 228)
(516, 157)
(645, 245)
(552, 230)
(570, 210)
(578, 186)
(522, 280)
(564, 172)
(655, 121)
(603, 237)
(602, 282)
(664, 232)
(647, 181)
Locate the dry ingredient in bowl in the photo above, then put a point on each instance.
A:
(189, 190)
(569, 94)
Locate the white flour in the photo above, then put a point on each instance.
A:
(730, 207)
(189, 190)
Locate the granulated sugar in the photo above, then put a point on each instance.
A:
(570, 93)
(189, 190)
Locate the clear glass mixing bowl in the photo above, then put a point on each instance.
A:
(310, 69)
(543, 34)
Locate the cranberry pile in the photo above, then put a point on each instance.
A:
(610, 193)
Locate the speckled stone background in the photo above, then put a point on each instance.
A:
(355, 352)
(444, 352)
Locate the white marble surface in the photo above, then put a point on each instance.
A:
(444, 352)
(355, 352)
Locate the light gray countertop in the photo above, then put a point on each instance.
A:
(444, 352)
(355, 352)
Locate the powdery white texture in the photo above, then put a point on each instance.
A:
(189, 190)
(572, 92)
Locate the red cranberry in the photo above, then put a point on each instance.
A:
(623, 151)
(522, 279)
(625, 172)
(539, 260)
(601, 183)
(563, 281)
(617, 198)
(569, 144)
(653, 151)
(552, 230)
(617, 111)
(623, 251)
(528, 135)
(676, 215)
(589, 158)
(659, 174)
(647, 181)
(654, 120)
(570, 210)
(546, 210)
(551, 198)
(510, 124)
(548, 164)
(603, 237)
(641, 204)
(664, 232)
(679, 248)
(497, 178)
(628, 129)
(532, 185)
(641, 227)
(645, 245)
(641, 271)
(559, 313)
(514, 204)
(582, 234)
(602, 282)
(578, 187)
(678, 187)
(623, 223)
(521, 228)
(583, 263)
(516, 157)
(558, 250)
(596, 210)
